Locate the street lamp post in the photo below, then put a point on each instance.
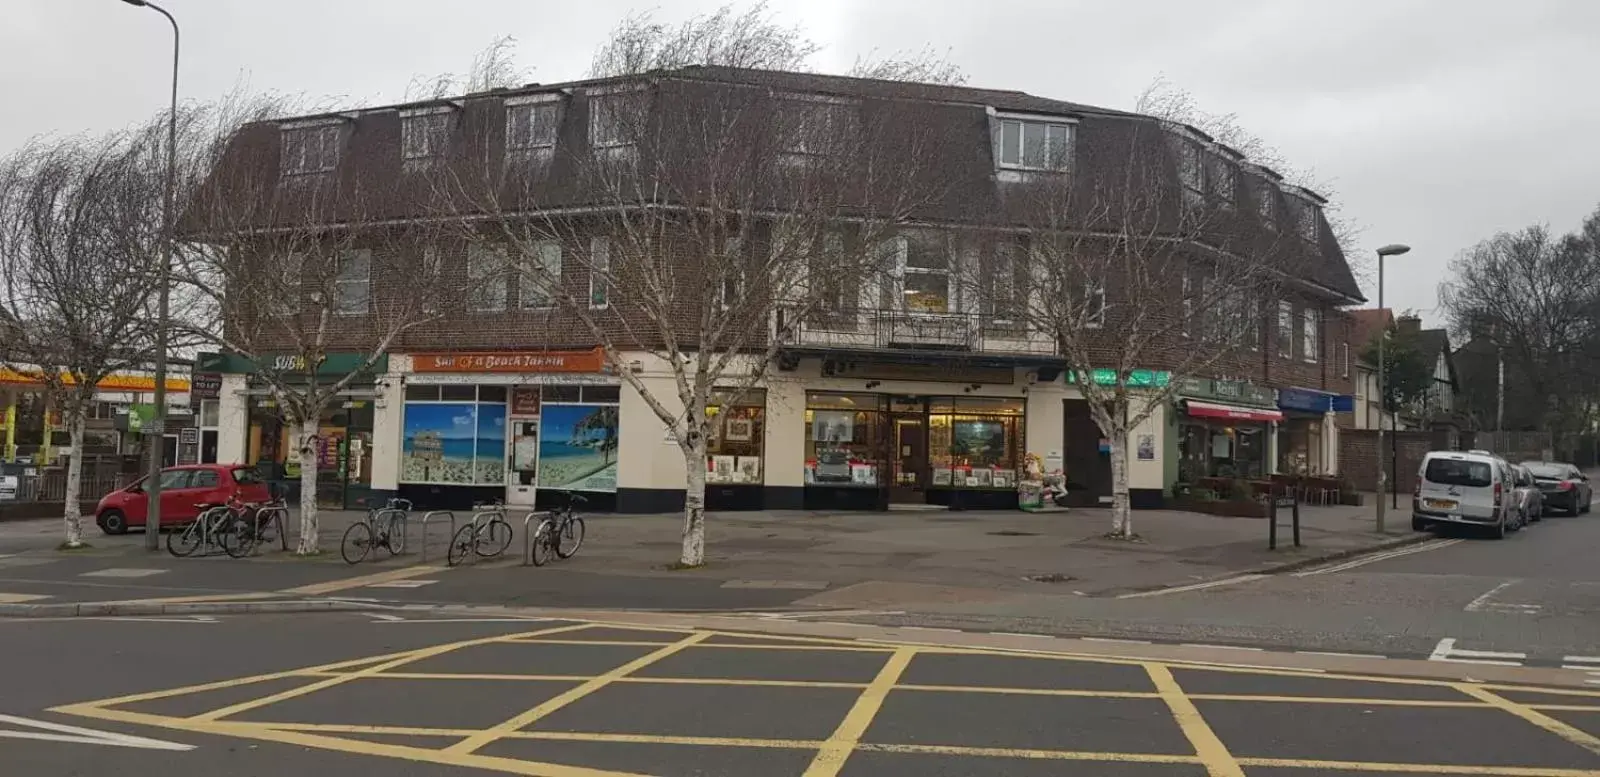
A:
(152, 523)
(1383, 370)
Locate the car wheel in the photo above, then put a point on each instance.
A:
(113, 522)
(1587, 506)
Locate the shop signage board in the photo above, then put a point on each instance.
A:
(205, 385)
(941, 373)
(1136, 378)
(510, 361)
(1311, 401)
(334, 365)
(1229, 391)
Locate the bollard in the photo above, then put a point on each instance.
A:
(1272, 519)
(429, 516)
(1296, 519)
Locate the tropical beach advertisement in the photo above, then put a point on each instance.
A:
(440, 439)
(491, 466)
(578, 447)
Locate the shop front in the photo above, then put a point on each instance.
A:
(526, 428)
(1225, 430)
(1307, 438)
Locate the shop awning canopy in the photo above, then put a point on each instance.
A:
(1235, 412)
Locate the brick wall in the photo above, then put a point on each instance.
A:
(1358, 456)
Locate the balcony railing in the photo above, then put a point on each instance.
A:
(889, 329)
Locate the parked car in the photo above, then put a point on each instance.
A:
(1564, 487)
(1474, 488)
(185, 491)
(1530, 500)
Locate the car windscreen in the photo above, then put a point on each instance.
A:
(1547, 471)
(246, 476)
(1458, 472)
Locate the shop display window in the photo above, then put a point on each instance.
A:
(845, 440)
(975, 442)
(738, 434)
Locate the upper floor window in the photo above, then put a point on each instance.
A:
(532, 126)
(1034, 144)
(425, 133)
(1344, 360)
(1221, 179)
(922, 262)
(486, 274)
(1267, 204)
(835, 294)
(540, 275)
(1306, 219)
(614, 118)
(352, 290)
(1285, 329)
(1312, 334)
(1094, 300)
(1005, 282)
(310, 149)
(814, 126)
(1206, 175)
(599, 272)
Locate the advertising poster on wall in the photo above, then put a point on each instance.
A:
(440, 439)
(578, 447)
(491, 466)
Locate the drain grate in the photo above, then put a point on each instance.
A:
(1013, 533)
(1053, 577)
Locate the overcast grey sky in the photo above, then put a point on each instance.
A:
(1438, 122)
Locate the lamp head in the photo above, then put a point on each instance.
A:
(1393, 249)
(140, 3)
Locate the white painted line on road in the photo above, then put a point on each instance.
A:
(1334, 654)
(790, 616)
(1362, 561)
(1192, 587)
(931, 628)
(137, 619)
(1114, 641)
(413, 583)
(1485, 654)
(383, 616)
(6, 598)
(1020, 634)
(1447, 651)
(1477, 604)
(123, 572)
(81, 736)
(1581, 659)
(1220, 647)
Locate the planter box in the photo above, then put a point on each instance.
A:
(1233, 508)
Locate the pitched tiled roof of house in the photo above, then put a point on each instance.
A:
(1366, 324)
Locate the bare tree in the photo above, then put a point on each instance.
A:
(750, 39)
(79, 225)
(924, 66)
(1119, 262)
(495, 67)
(286, 263)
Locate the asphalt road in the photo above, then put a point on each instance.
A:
(356, 695)
(1533, 598)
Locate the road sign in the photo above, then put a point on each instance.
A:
(46, 731)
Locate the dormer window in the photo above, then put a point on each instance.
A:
(811, 127)
(309, 149)
(1207, 174)
(1306, 221)
(1033, 143)
(425, 132)
(1267, 204)
(532, 123)
(614, 119)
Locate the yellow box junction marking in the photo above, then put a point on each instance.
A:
(833, 752)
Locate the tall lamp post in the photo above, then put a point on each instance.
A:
(1395, 249)
(152, 531)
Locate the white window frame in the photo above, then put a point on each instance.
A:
(1344, 369)
(832, 246)
(599, 272)
(540, 276)
(532, 105)
(1094, 300)
(1004, 264)
(488, 292)
(1311, 335)
(1267, 205)
(425, 132)
(342, 281)
(302, 156)
(1307, 218)
(1068, 130)
(902, 248)
(1219, 168)
(599, 97)
(1286, 333)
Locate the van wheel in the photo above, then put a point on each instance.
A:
(1498, 531)
(113, 522)
(1417, 524)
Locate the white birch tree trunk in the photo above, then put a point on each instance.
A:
(310, 542)
(694, 503)
(72, 514)
(1121, 509)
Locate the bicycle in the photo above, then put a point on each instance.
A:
(562, 532)
(213, 527)
(485, 539)
(248, 525)
(383, 527)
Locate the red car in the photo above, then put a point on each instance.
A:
(182, 490)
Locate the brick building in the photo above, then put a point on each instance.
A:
(914, 387)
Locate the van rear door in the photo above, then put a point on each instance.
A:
(1457, 484)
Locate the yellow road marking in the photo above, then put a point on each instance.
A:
(1570, 733)
(834, 752)
(6, 598)
(1403, 768)
(344, 584)
(1009, 691)
(565, 698)
(1365, 702)
(565, 678)
(1213, 754)
(1053, 755)
(415, 655)
(723, 646)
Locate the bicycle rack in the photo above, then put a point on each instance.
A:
(279, 515)
(527, 537)
(426, 518)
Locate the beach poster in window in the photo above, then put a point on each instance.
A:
(833, 426)
(578, 447)
(739, 430)
(749, 469)
(491, 449)
(722, 469)
(438, 443)
(979, 441)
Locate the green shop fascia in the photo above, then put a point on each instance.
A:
(344, 430)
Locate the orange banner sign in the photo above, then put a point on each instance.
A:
(510, 361)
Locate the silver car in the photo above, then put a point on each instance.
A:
(1530, 500)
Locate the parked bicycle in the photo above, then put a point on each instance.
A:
(486, 536)
(214, 527)
(383, 527)
(254, 524)
(561, 533)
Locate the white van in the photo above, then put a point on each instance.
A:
(1473, 488)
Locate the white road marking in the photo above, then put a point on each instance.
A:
(1447, 651)
(1116, 641)
(1422, 547)
(931, 628)
(81, 736)
(6, 598)
(1581, 659)
(1476, 605)
(402, 584)
(1333, 654)
(140, 619)
(1221, 647)
(790, 616)
(123, 572)
(1192, 587)
(1020, 634)
(383, 616)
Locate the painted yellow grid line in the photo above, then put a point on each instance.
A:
(836, 750)
(1570, 733)
(472, 743)
(1213, 754)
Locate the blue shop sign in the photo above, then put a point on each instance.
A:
(1308, 401)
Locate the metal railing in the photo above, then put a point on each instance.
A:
(51, 486)
(886, 328)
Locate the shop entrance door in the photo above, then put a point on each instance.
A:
(908, 479)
